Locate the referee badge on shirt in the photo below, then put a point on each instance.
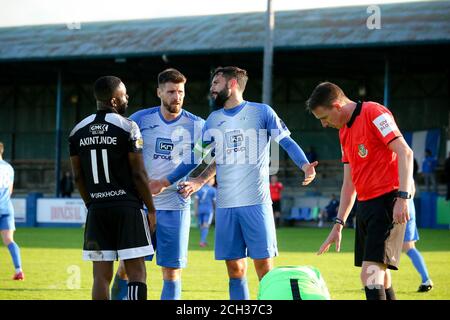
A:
(362, 151)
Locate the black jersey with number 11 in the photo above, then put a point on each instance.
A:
(103, 141)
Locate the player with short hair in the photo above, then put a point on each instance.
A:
(239, 133)
(378, 166)
(7, 224)
(169, 133)
(106, 158)
(205, 203)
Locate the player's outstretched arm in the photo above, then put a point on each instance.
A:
(79, 178)
(187, 188)
(183, 169)
(298, 156)
(158, 186)
(310, 172)
(335, 237)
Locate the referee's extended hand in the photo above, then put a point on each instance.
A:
(401, 211)
(310, 172)
(335, 237)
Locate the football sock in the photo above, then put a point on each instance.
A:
(203, 234)
(137, 291)
(171, 290)
(390, 294)
(419, 263)
(15, 255)
(119, 289)
(375, 293)
(238, 289)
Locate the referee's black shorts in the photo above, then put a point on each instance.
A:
(377, 238)
(113, 233)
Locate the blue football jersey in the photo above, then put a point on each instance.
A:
(6, 179)
(206, 197)
(166, 145)
(241, 140)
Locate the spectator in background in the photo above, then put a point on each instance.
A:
(66, 185)
(447, 176)
(330, 211)
(428, 169)
(275, 193)
(311, 154)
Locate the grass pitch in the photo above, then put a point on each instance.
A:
(54, 268)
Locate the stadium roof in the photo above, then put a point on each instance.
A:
(412, 23)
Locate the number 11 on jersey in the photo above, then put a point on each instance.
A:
(95, 165)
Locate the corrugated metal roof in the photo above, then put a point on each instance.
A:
(405, 23)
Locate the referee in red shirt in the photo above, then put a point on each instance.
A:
(378, 167)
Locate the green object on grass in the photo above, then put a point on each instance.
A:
(293, 283)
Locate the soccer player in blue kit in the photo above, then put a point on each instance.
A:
(240, 133)
(205, 202)
(7, 225)
(168, 133)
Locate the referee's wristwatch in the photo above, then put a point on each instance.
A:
(403, 195)
(339, 221)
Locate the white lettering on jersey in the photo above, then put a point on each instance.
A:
(108, 194)
(385, 124)
(98, 128)
(98, 140)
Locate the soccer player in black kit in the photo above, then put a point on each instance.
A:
(106, 158)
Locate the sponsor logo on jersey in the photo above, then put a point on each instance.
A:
(385, 124)
(163, 149)
(362, 151)
(108, 194)
(99, 128)
(149, 127)
(221, 123)
(234, 140)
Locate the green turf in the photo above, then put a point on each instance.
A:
(52, 256)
